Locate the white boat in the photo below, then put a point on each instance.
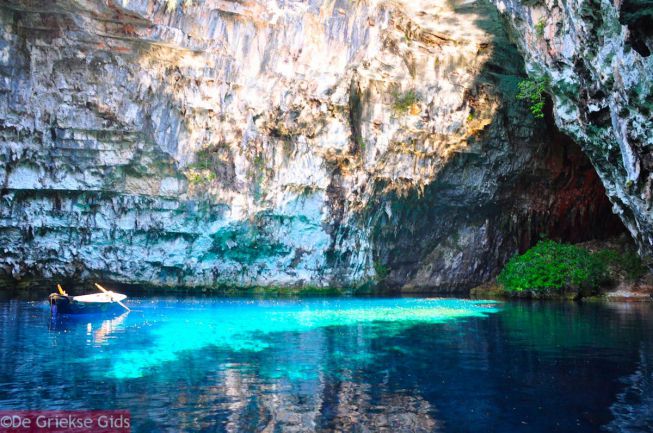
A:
(100, 298)
(63, 303)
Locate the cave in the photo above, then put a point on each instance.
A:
(581, 209)
(450, 238)
(638, 16)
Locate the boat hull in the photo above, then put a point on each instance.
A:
(64, 305)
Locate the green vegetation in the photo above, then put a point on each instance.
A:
(361, 144)
(257, 174)
(550, 266)
(629, 263)
(204, 159)
(539, 27)
(381, 270)
(203, 170)
(199, 177)
(533, 90)
(403, 101)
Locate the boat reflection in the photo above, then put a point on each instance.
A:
(100, 329)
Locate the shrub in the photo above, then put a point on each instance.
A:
(361, 143)
(533, 90)
(199, 177)
(202, 171)
(627, 262)
(551, 265)
(403, 102)
(381, 270)
(539, 27)
(632, 265)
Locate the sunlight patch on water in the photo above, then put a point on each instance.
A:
(175, 328)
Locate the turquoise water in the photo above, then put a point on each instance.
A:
(338, 364)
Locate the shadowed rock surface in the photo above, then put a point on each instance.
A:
(275, 143)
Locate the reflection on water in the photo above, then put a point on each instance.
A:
(350, 365)
(633, 408)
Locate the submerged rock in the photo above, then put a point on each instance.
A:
(275, 143)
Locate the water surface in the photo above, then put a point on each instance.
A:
(339, 364)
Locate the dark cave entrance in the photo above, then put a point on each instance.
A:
(580, 209)
(455, 235)
(638, 16)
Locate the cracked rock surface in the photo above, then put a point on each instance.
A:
(322, 143)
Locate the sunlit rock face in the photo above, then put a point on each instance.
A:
(597, 56)
(274, 143)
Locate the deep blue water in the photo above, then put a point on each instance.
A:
(346, 365)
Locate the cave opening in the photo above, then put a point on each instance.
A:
(638, 16)
(580, 210)
(487, 205)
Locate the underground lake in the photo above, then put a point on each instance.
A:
(223, 364)
(326, 216)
